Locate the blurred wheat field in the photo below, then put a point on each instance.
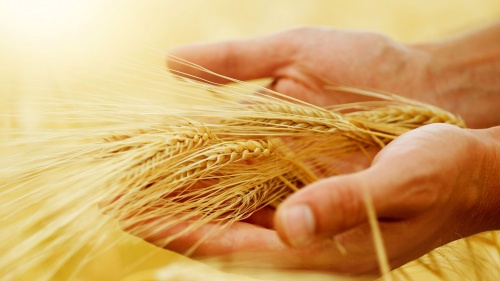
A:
(62, 49)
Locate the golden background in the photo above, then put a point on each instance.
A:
(60, 41)
(62, 47)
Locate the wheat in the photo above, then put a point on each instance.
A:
(207, 164)
(290, 118)
(406, 116)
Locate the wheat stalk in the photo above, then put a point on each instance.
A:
(406, 116)
(202, 164)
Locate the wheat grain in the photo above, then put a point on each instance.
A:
(290, 118)
(406, 116)
(204, 164)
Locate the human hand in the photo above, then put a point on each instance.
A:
(458, 74)
(303, 61)
(424, 197)
(444, 193)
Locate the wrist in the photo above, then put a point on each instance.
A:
(463, 73)
(487, 207)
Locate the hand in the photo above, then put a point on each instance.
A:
(423, 189)
(421, 204)
(304, 60)
(458, 74)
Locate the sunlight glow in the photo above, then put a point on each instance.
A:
(44, 19)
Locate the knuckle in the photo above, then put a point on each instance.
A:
(343, 209)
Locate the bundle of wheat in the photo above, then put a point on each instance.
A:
(216, 163)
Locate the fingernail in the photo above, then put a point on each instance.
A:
(299, 225)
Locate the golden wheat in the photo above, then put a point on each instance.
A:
(199, 164)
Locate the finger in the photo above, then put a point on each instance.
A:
(240, 59)
(246, 244)
(291, 87)
(263, 217)
(323, 209)
(252, 245)
(208, 239)
(284, 88)
(337, 204)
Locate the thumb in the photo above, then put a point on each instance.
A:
(239, 59)
(336, 204)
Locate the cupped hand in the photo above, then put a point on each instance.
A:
(458, 74)
(425, 193)
(302, 61)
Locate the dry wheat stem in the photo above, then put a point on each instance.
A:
(213, 163)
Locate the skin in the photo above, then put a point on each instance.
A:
(430, 186)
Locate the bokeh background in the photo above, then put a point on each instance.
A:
(70, 46)
(59, 41)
